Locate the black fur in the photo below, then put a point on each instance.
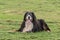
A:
(38, 25)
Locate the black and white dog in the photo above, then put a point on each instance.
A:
(31, 24)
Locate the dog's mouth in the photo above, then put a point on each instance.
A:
(29, 20)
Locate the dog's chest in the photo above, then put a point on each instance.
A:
(28, 26)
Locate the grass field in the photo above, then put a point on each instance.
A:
(11, 16)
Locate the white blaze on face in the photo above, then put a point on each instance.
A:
(28, 17)
(28, 26)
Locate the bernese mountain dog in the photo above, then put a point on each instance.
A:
(31, 24)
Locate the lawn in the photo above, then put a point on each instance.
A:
(11, 17)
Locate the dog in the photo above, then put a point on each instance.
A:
(31, 24)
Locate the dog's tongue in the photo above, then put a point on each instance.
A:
(28, 21)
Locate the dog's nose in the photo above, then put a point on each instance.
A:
(28, 17)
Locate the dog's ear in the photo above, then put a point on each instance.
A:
(25, 16)
(34, 17)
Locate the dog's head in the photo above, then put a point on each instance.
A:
(29, 16)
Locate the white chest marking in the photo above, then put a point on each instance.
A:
(28, 26)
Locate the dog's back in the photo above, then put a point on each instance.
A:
(43, 25)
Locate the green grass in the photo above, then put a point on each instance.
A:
(11, 16)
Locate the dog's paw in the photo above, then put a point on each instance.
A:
(48, 31)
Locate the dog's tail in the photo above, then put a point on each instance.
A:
(43, 25)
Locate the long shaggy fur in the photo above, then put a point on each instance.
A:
(33, 25)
